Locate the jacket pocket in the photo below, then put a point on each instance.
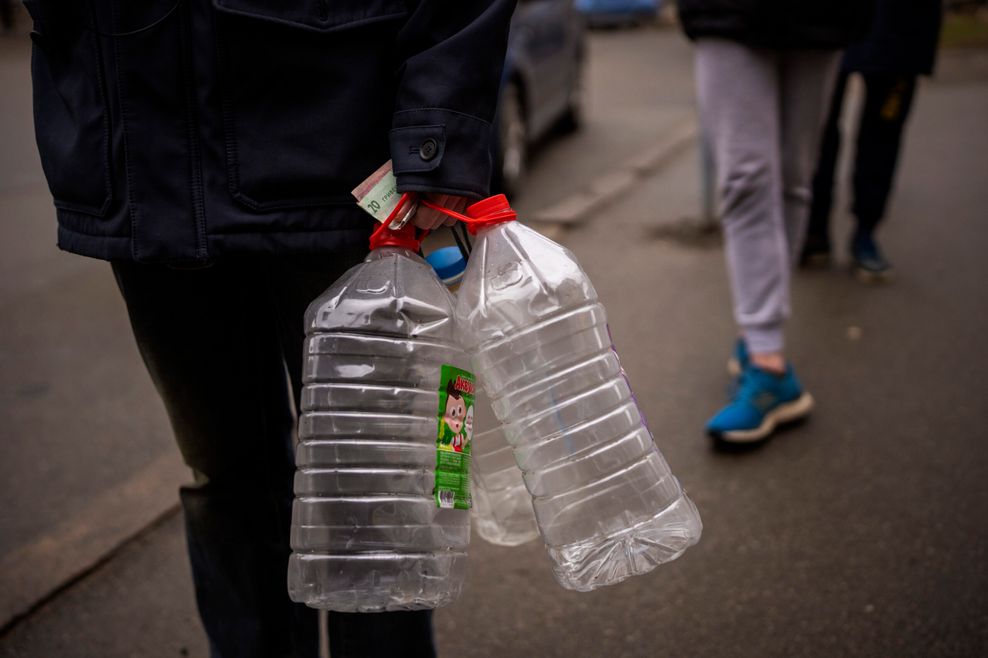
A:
(307, 93)
(70, 110)
(316, 15)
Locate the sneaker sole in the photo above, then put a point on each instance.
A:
(871, 278)
(784, 413)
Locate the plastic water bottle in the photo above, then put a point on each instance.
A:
(502, 509)
(607, 505)
(381, 520)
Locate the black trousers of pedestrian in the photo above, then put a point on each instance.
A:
(888, 99)
(7, 14)
(223, 345)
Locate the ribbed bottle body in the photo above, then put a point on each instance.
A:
(606, 503)
(502, 509)
(367, 532)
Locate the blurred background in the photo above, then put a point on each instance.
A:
(859, 533)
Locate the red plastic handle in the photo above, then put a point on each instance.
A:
(406, 237)
(487, 212)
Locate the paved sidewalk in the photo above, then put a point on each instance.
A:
(860, 533)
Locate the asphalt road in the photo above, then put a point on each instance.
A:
(859, 533)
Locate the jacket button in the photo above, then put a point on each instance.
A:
(429, 149)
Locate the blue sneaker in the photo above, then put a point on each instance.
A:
(739, 359)
(762, 402)
(868, 261)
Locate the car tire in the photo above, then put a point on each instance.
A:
(576, 105)
(512, 143)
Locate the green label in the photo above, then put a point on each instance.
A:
(455, 431)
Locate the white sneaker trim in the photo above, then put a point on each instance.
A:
(786, 412)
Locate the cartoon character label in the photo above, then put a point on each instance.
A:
(455, 432)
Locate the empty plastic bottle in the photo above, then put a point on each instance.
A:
(502, 508)
(382, 422)
(607, 505)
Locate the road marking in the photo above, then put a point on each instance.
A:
(33, 573)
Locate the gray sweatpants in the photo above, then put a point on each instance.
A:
(762, 112)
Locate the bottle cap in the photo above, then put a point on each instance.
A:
(403, 237)
(487, 212)
(448, 263)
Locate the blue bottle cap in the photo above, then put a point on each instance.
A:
(448, 263)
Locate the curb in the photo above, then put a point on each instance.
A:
(609, 187)
(35, 573)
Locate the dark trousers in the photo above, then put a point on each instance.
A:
(223, 345)
(888, 99)
(7, 14)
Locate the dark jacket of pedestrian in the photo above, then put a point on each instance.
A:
(902, 39)
(777, 24)
(188, 130)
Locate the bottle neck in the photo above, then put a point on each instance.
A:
(403, 238)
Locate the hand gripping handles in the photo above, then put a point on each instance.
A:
(487, 212)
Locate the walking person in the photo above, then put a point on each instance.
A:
(207, 150)
(7, 15)
(900, 46)
(764, 70)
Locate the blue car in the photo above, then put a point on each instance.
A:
(600, 12)
(542, 86)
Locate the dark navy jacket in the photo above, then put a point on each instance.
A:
(903, 39)
(187, 130)
(779, 24)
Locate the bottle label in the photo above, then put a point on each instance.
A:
(453, 439)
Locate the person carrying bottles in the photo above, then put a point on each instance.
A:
(764, 70)
(207, 149)
(901, 46)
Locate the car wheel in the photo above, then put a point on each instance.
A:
(512, 141)
(576, 104)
